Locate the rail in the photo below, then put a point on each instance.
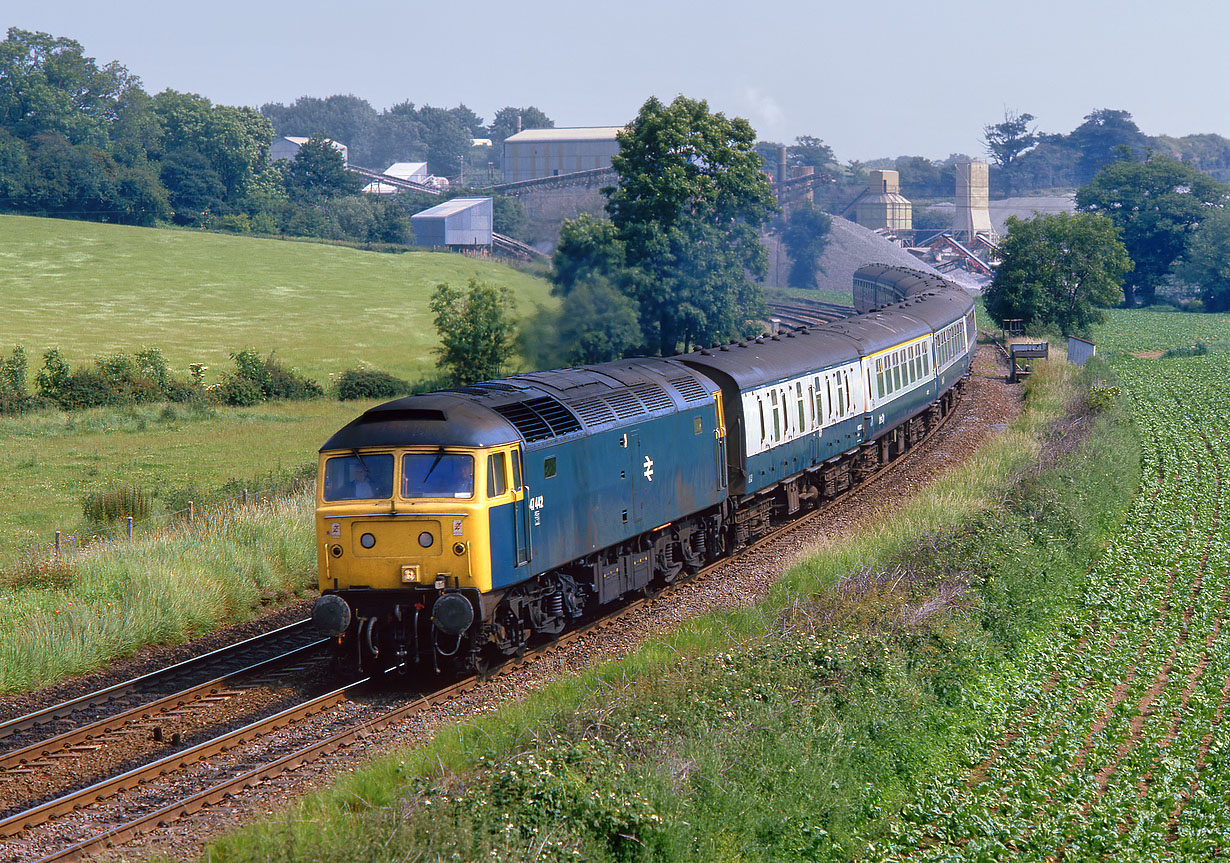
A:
(146, 681)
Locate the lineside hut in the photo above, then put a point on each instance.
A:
(460, 224)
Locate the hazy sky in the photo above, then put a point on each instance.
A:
(872, 79)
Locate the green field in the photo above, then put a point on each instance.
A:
(92, 289)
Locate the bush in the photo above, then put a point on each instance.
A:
(13, 396)
(364, 383)
(255, 380)
(121, 502)
(1199, 349)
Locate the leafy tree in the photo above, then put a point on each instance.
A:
(805, 236)
(504, 124)
(193, 187)
(347, 119)
(1056, 270)
(1156, 205)
(476, 330)
(471, 122)
(318, 172)
(597, 323)
(1207, 261)
(447, 138)
(399, 138)
(588, 246)
(1107, 135)
(48, 85)
(688, 207)
(808, 150)
(1006, 141)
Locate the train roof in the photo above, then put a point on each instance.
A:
(772, 358)
(538, 408)
(762, 360)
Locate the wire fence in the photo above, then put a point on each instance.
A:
(67, 545)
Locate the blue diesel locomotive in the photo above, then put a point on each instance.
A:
(454, 527)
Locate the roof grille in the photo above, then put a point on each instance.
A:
(539, 419)
(594, 412)
(654, 397)
(626, 405)
(689, 389)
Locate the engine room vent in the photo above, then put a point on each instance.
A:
(654, 397)
(540, 418)
(689, 389)
(594, 412)
(626, 405)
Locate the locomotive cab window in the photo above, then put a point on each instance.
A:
(516, 466)
(497, 478)
(437, 474)
(355, 477)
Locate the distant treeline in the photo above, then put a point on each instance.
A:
(83, 141)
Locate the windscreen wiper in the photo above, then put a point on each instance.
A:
(439, 455)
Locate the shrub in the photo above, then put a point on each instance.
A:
(257, 379)
(362, 383)
(120, 502)
(1199, 349)
(13, 395)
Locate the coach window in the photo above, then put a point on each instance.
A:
(760, 405)
(798, 393)
(896, 376)
(879, 381)
(497, 476)
(926, 354)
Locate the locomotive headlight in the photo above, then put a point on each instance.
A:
(335, 550)
(459, 548)
(426, 539)
(367, 540)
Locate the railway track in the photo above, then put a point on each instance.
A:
(142, 690)
(311, 745)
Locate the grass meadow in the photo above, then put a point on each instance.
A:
(91, 289)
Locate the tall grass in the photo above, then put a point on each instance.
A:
(164, 589)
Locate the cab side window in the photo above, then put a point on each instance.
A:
(497, 477)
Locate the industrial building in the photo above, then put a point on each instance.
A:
(462, 223)
(972, 216)
(881, 205)
(410, 172)
(287, 146)
(537, 153)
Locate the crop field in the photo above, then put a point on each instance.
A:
(92, 289)
(1111, 735)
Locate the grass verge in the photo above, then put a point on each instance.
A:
(788, 731)
(76, 616)
(50, 461)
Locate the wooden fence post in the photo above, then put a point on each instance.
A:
(130, 527)
(191, 513)
(59, 543)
